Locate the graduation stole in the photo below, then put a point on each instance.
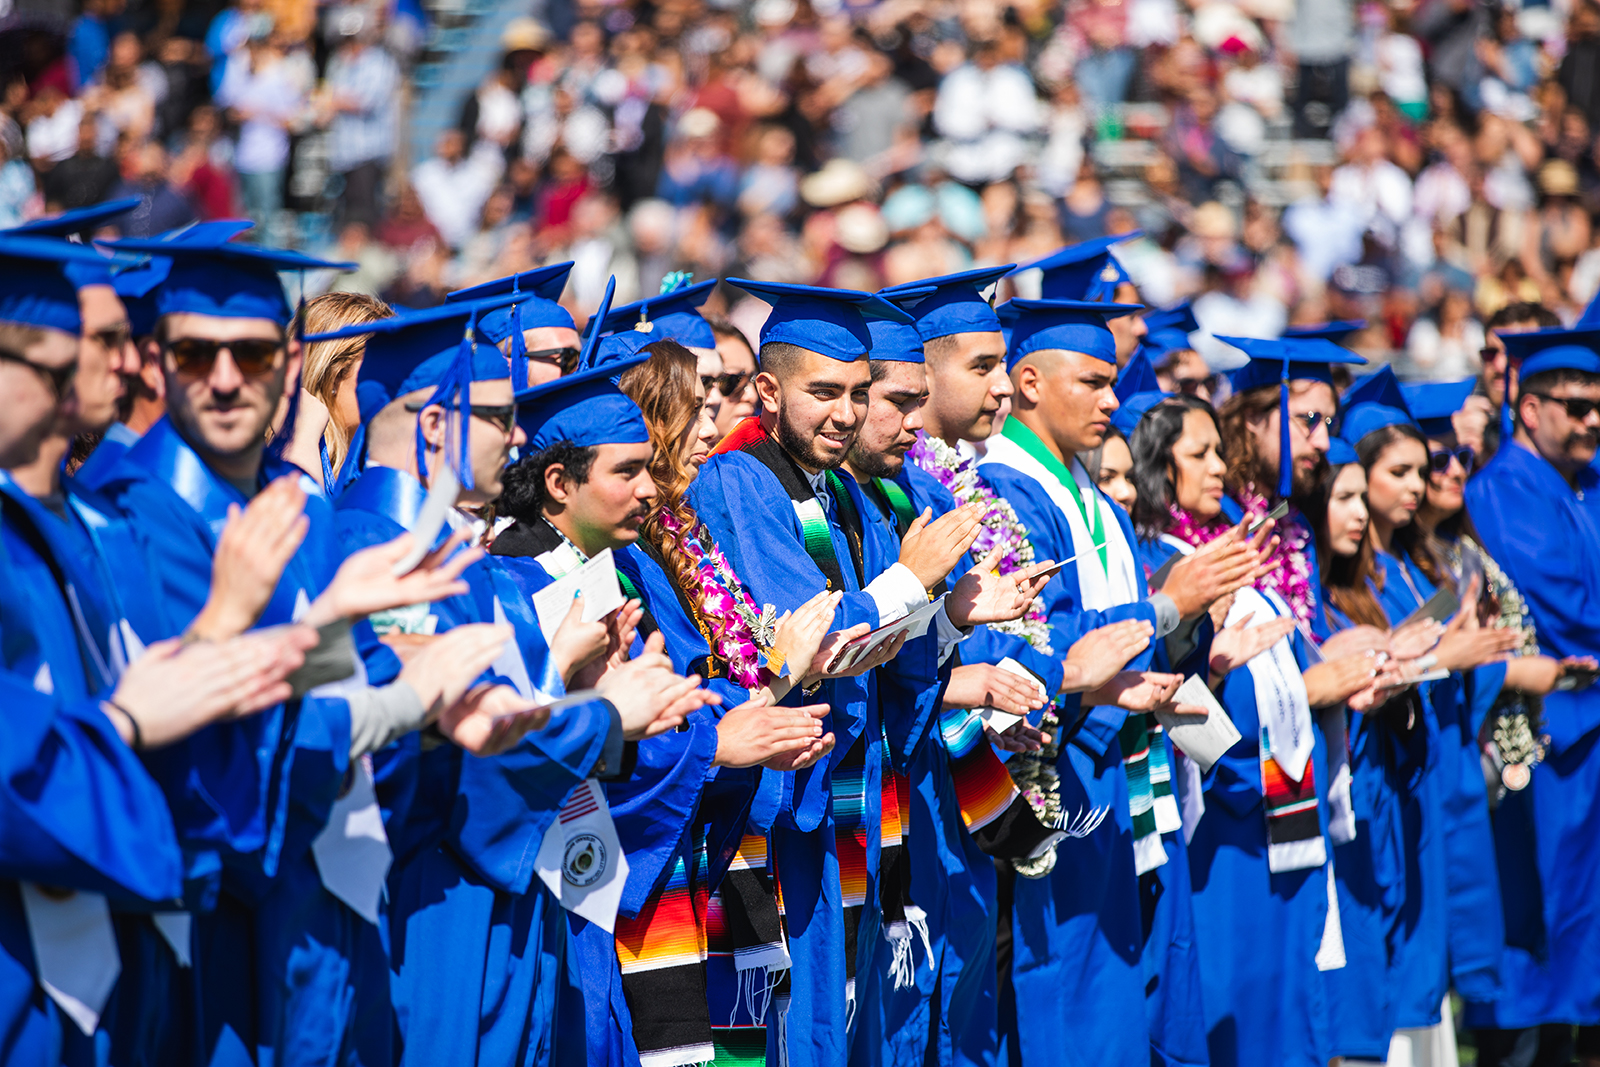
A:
(1150, 800)
(746, 942)
(661, 953)
(1001, 821)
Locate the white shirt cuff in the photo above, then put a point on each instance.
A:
(897, 593)
(950, 635)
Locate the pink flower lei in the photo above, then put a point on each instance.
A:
(1291, 579)
(1001, 527)
(735, 630)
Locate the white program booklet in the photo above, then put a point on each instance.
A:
(596, 580)
(1001, 721)
(1203, 740)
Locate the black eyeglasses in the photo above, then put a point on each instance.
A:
(60, 378)
(1465, 455)
(566, 358)
(1577, 407)
(197, 357)
(502, 416)
(1312, 419)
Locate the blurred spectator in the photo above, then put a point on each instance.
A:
(16, 185)
(229, 31)
(89, 42)
(202, 168)
(599, 248)
(261, 95)
(696, 171)
(161, 207)
(407, 225)
(1326, 231)
(126, 93)
(454, 185)
(1203, 158)
(376, 265)
(869, 121)
(83, 178)
(1322, 37)
(362, 99)
(985, 111)
(1443, 346)
(54, 132)
(771, 184)
(423, 282)
(1372, 185)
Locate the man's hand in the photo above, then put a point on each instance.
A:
(576, 643)
(801, 633)
(882, 653)
(1336, 681)
(175, 689)
(1234, 646)
(1136, 690)
(1362, 639)
(1413, 640)
(491, 719)
(983, 685)
(930, 550)
(983, 595)
(1096, 657)
(1466, 645)
(365, 582)
(1020, 736)
(800, 759)
(1471, 422)
(255, 546)
(649, 697)
(621, 627)
(755, 732)
(441, 671)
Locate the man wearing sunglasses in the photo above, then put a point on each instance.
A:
(1479, 423)
(1536, 506)
(548, 345)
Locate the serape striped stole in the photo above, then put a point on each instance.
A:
(1150, 800)
(1294, 833)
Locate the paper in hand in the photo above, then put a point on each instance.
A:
(431, 517)
(913, 626)
(1202, 740)
(596, 580)
(1001, 721)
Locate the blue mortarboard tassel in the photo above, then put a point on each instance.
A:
(1508, 424)
(1285, 442)
(519, 351)
(454, 389)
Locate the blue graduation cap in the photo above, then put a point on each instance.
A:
(1168, 330)
(1279, 362)
(77, 220)
(584, 407)
(951, 303)
(668, 316)
(1137, 392)
(1328, 331)
(1341, 452)
(1086, 271)
(1432, 403)
(1072, 325)
(214, 275)
(432, 348)
(832, 322)
(541, 290)
(136, 286)
(1541, 351)
(1371, 404)
(624, 345)
(895, 341)
(39, 280)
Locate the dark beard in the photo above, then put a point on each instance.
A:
(876, 464)
(801, 448)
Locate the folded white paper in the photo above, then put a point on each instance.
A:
(580, 859)
(1001, 721)
(1203, 740)
(74, 949)
(352, 851)
(431, 517)
(913, 626)
(596, 580)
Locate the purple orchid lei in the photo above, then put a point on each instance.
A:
(736, 631)
(1001, 527)
(1291, 578)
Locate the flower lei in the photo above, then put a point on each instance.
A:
(1291, 578)
(735, 630)
(1001, 527)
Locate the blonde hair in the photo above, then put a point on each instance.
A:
(329, 363)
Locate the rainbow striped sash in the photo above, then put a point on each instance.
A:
(1294, 834)
(661, 953)
(998, 816)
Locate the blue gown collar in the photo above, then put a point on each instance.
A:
(394, 494)
(167, 456)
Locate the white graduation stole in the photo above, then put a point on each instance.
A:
(352, 851)
(580, 859)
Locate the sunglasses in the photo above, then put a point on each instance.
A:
(729, 385)
(60, 378)
(196, 358)
(1577, 407)
(502, 416)
(1312, 419)
(567, 358)
(1191, 386)
(1465, 455)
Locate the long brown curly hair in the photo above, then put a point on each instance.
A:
(1247, 468)
(664, 389)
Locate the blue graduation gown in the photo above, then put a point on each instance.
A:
(249, 796)
(77, 809)
(477, 943)
(1257, 932)
(751, 518)
(1077, 965)
(1370, 875)
(1546, 535)
(1452, 917)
